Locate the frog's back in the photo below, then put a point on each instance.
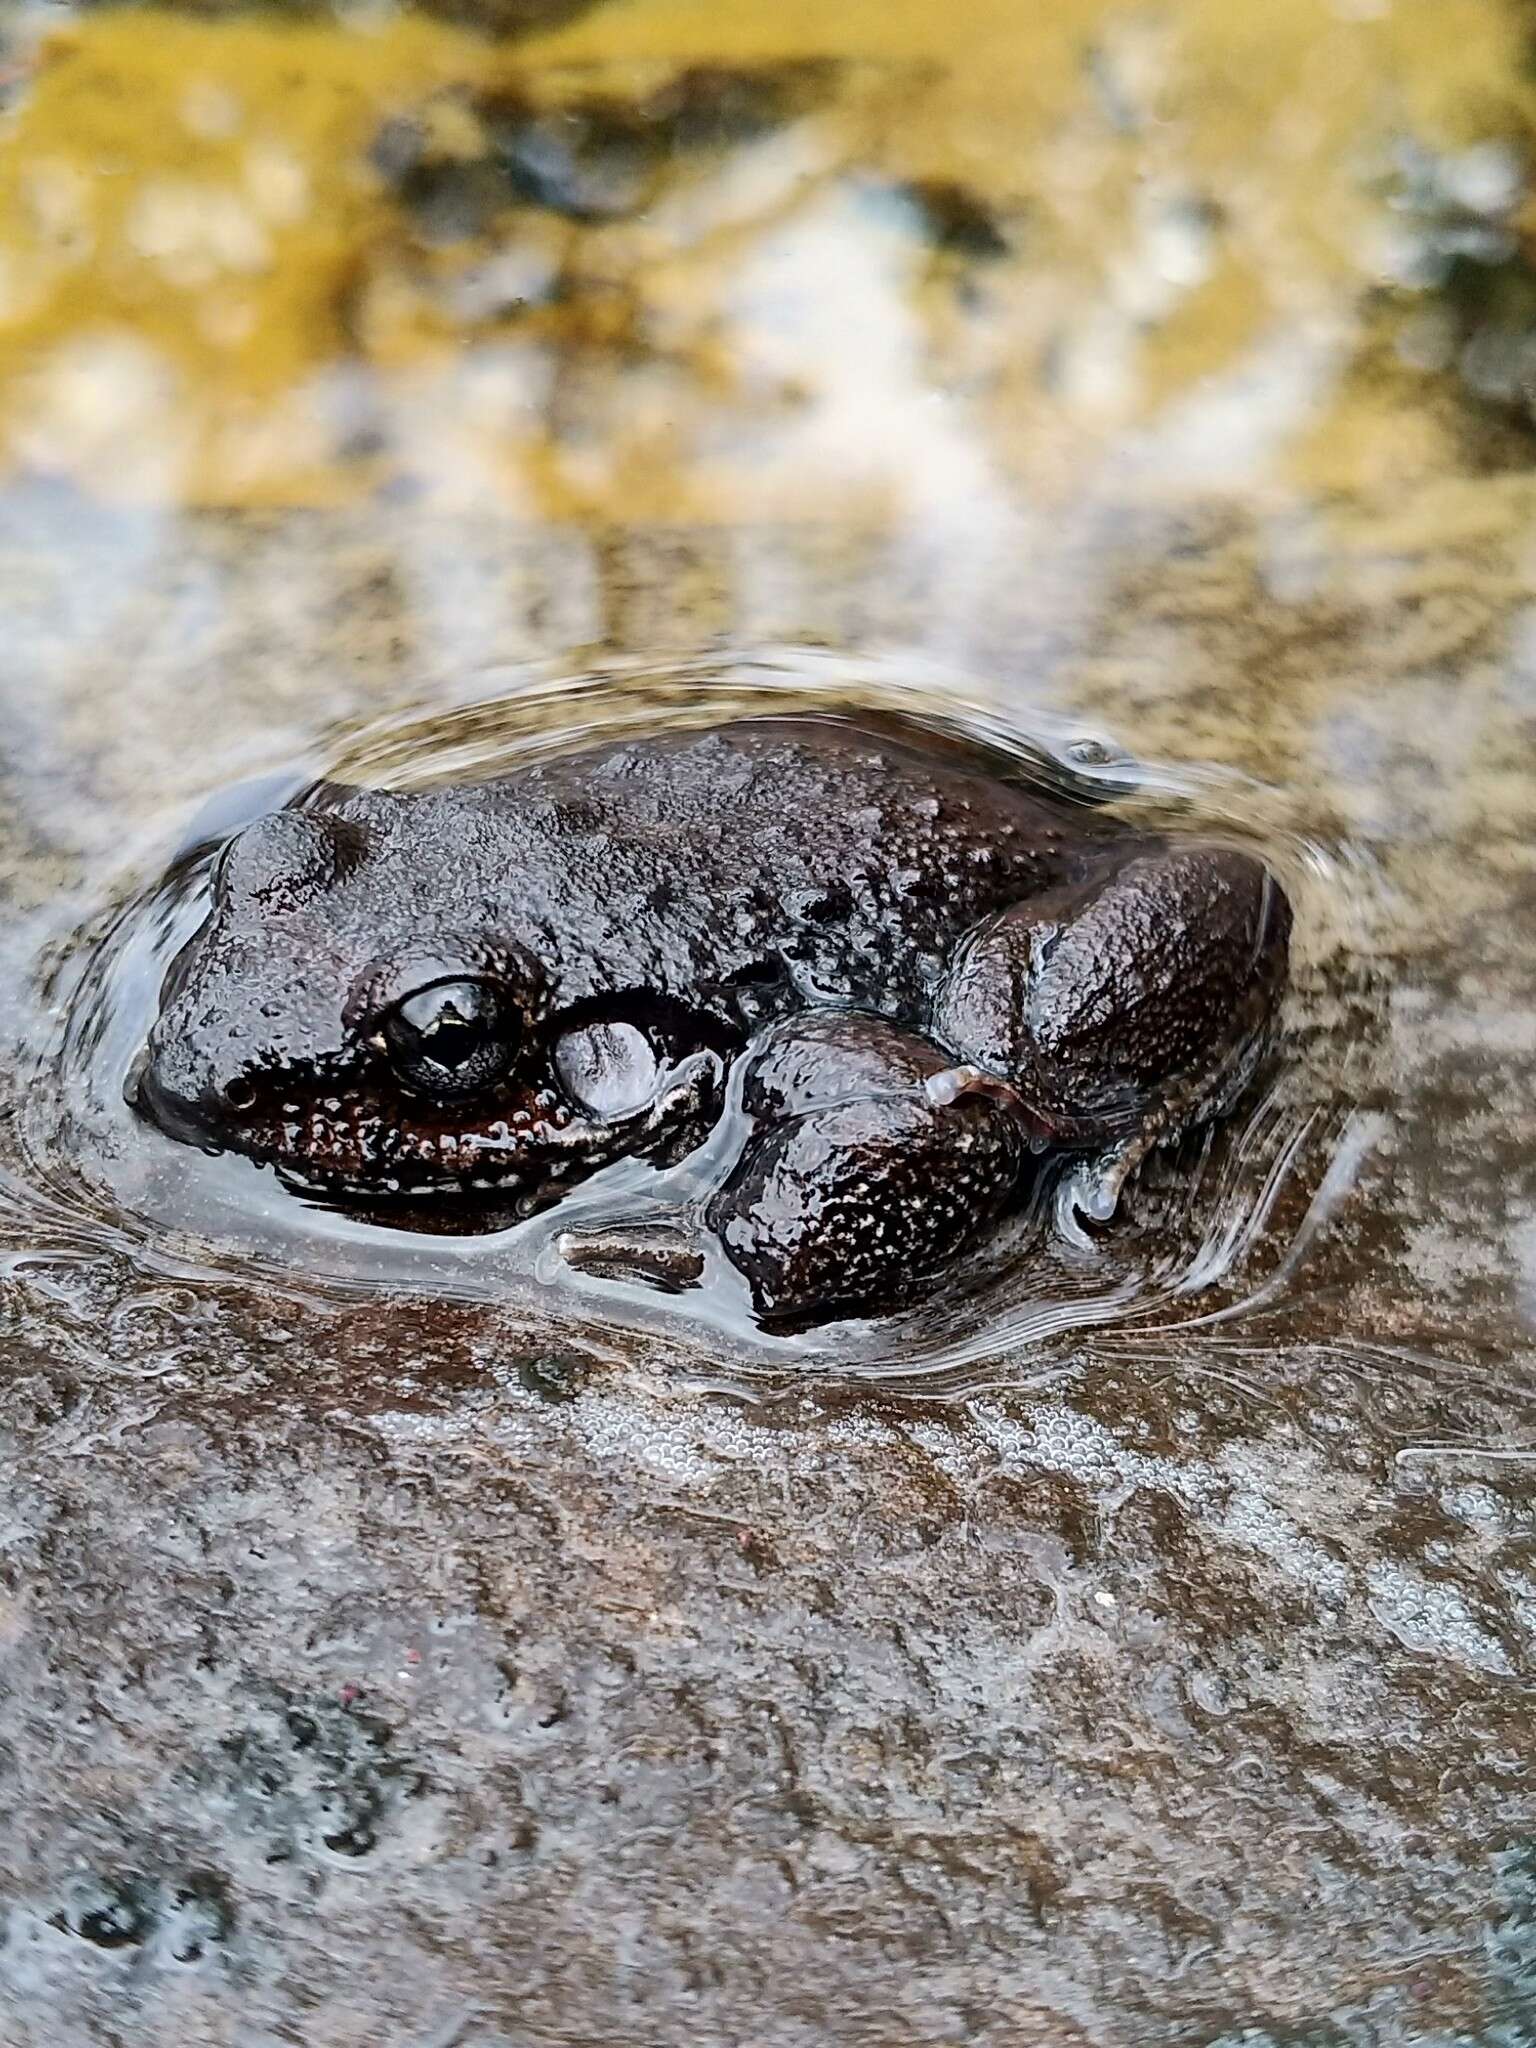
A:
(845, 856)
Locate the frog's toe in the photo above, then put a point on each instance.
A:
(1089, 1195)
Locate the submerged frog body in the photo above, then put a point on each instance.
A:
(936, 975)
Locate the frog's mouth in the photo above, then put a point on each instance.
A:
(373, 1146)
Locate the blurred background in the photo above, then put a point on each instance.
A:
(645, 325)
(961, 270)
(970, 280)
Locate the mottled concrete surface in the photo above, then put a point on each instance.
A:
(379, 1668)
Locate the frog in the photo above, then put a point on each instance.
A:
(910, 977)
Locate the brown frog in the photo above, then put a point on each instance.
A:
(937, 978)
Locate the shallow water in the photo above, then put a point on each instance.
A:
(1198, 1239)
(400, 1650)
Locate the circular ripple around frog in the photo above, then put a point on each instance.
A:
(1209, 1233)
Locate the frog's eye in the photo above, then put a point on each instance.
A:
(607, 1070)
(451, 1039)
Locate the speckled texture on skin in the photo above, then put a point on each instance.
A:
(830, 1209)
(721, 872)
(1087, 1002)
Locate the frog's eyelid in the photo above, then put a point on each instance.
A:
(370, 1023)
(387, 983)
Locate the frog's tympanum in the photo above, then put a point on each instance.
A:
(916, 979)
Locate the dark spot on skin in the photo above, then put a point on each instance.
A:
(821, 906)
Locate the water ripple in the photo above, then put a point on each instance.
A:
(1209, 1235)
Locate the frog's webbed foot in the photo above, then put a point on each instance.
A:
(861, 1181)
(1126, 1008)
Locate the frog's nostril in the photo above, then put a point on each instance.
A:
(240, 1093)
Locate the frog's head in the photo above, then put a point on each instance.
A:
(361, 1010)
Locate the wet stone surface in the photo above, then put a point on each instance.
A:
(374, 1669)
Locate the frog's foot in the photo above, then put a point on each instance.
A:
(1090, 1192)
(859, 1183)
(1126, 1008)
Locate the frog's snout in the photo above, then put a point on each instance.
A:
(191, 1080)
(187, 1107)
